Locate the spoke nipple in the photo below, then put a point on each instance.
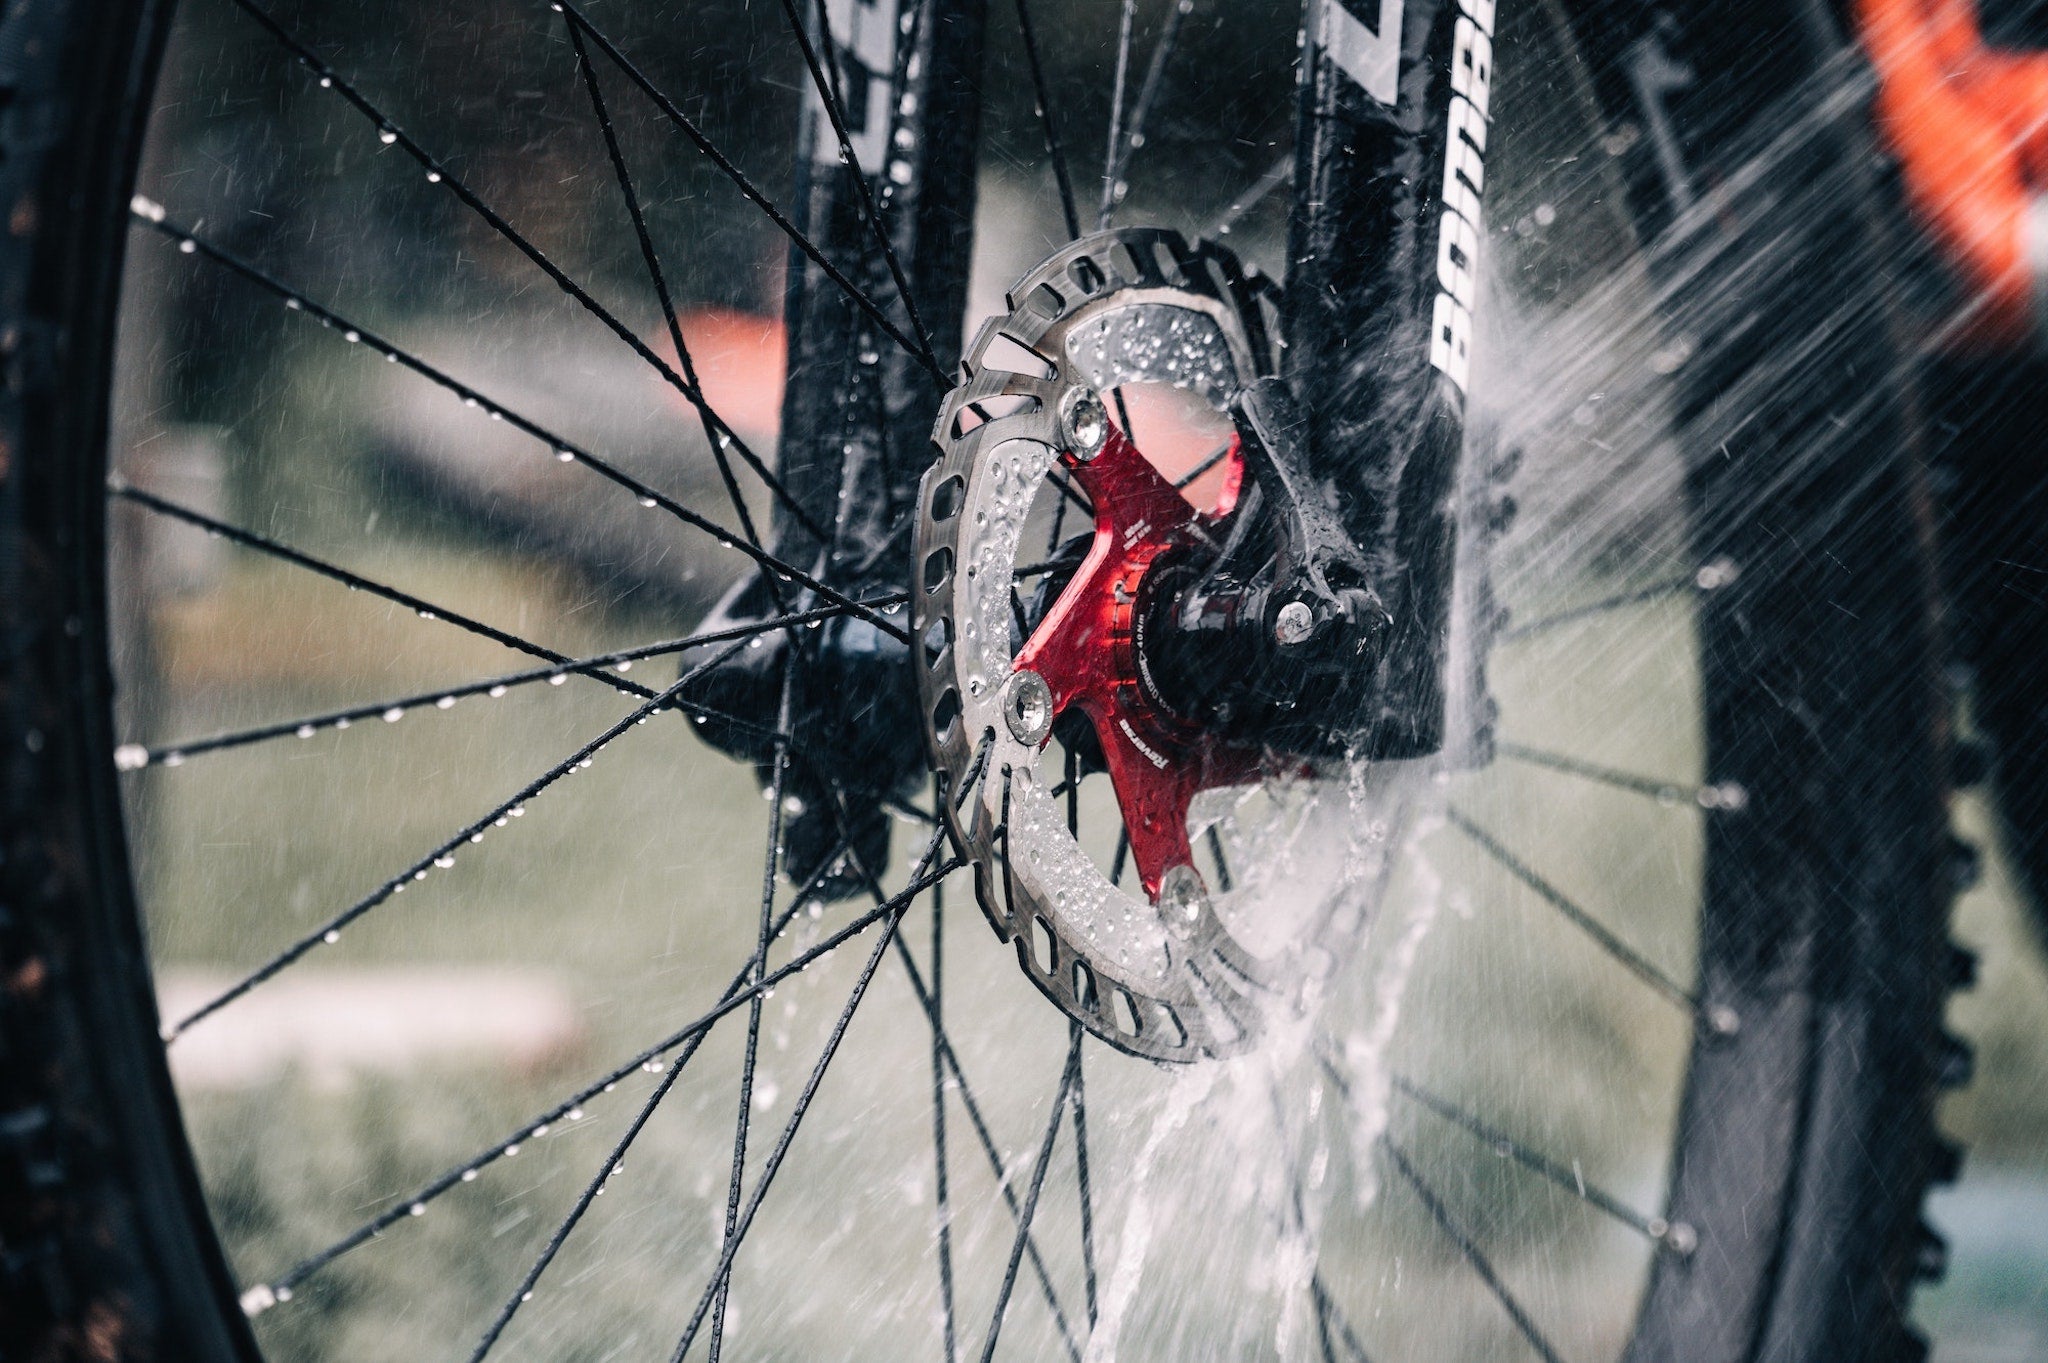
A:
(1027, 707)
(131, 757)
(1724, 1021)
(258, 1299)
(1717, 573)
(1681, 1239)
(142, 206)
(417, 1209)
(1294, 623)
(1084, 424)
(1731, 796)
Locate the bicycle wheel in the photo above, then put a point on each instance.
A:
(1613, 1033)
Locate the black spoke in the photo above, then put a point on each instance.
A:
(689, 129)
(131, 756)
(769, 864)
(280, 1288)
(442, 857)
(1116, 116)
(591, 1191)
(1209, 461)
(1081, 1174)
(1600, 607)
(1223, 878)
(714, 437)
(1629, 958)
(425, 609)
(1073, 494)
(1474, 1258)
(828, 94)
(943, 1190)
(1122, 149)
(892, 919)
(927, 1001)
(1052, 1131)
(1714, 795)
(1123, 852)
(1568, 1177)
(1328, 1315)
(1571, 1178)
(989, 1149)
(1046, 122)
(566, 450)
(438, 173)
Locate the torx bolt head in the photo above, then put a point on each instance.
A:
(1084, 424)
(1294, 623)
(1027, 707)
(1181, 899)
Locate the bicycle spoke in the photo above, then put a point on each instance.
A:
(1052, 1131)
(1223, 878)
(942, 1187)
(689, 129)
(442, 857)
(1714, 795)
(989, 1150)
(893, 919)
(438, 173)
(153, 215)
(280, 1288)
(133, 756)
(1474, 1258)
(1328, 1314)
(567, 1226)
(828, 95)
(928, 1003)
(715, 436)
(1123, 149)
(1600, 607)
(1081, 1175)
(1570, 1178)
(425, 609)
(1629, 958)
(1116, 116)
(1209, 461)
(777, 783)
(1046, 122)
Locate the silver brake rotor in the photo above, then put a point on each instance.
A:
(1175, 980)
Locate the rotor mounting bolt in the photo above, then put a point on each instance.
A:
(1181, 899)
(1027, 707)
(1294, 623)
(1084, 424)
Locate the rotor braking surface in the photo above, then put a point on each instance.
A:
(1151, 967)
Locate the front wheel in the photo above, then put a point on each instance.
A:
(1610, 1031)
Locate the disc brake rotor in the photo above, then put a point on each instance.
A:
(1152, 968)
